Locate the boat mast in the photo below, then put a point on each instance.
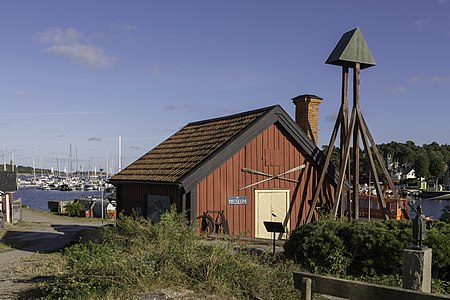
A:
(107, 163)
(12, 161)
(76, 161)
(34, 167)
(120, 153)
(4, 158)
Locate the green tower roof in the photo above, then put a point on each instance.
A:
(352, 48)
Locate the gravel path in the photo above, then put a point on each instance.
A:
(38, 233)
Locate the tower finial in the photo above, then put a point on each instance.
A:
(352, 48)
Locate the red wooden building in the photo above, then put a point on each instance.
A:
(208, 165)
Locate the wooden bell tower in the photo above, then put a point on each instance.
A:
(352, 52)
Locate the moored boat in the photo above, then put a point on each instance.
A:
(370, 208)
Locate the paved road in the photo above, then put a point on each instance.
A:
(39, 232)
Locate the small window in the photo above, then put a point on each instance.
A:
(156, 206)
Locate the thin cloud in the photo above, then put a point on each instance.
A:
(95, 139)
(88, 55)
(129, 27)
(422, 22)
(58, 36)
(397, 89)
(24, 94)
(439, 79)
(72, 44)
(415, 79)
(442, 1)
(52, 114)
(155, 69)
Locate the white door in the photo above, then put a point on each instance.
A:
(270, 205)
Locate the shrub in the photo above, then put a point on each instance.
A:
(438, 240)
(73, 209)
(376, 247)
(445, 217)
(138, 256)
(357, 248)
(318, 248)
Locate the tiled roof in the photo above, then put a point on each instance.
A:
(188, 147)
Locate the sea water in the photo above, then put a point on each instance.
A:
(38, 199)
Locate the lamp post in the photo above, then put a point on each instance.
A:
(101, 191)
(2, 221)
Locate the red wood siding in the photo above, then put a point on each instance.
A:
(134, 195)
(226, 180)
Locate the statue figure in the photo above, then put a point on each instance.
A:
(419, 230)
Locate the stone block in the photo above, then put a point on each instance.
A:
(417, 269)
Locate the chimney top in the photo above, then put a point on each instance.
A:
(306, 96)
(307, 114)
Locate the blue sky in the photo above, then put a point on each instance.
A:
(82, 73)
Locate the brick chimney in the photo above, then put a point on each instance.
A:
(307, 115)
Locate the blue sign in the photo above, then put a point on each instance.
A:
(237, 200)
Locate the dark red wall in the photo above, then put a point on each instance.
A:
(271, 152)
(133, 195)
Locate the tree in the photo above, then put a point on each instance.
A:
(437, 165)
(421, 164)
(335, 156)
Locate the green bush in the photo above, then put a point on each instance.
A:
(375, 247)
(438, 239)
(364, 248)
(445, 217)
(73, 209)
(138, 256)
(356, 248)
(318, 248)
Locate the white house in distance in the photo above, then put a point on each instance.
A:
(399, 172)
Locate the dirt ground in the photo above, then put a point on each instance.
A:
(39, 232)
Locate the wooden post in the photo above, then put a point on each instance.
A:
(306, 292)
(325, 168)
(383, 167)
(344, 126)
(355, 182)
(343, 167)
(380, 195)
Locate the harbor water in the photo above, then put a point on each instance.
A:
(38, 199)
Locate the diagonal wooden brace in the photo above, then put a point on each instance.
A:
(273, 177)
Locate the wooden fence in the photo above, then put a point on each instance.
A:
(310, 283)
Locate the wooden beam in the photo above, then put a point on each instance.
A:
(356, 105)
(254, 172)
(344, 125)
(343, 167)
(372, 166)
(325, 167)
(350, 289)
(383, 168)
(273, 177)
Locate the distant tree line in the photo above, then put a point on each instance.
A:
(22, 169)
(430, 161)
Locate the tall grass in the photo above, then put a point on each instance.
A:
(138, 256)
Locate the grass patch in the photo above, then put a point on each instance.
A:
(138, 256)
(5, 247)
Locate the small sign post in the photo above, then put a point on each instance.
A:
(274, 227)
(237, 200)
